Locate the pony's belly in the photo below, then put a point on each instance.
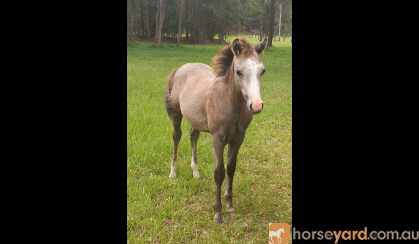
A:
(193, 107)
(198, 121)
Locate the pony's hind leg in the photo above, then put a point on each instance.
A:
(194, 161)
(177, 134)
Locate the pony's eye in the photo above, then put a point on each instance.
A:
(263, 72)
(238, 72)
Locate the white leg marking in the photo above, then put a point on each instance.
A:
(194, 167)
(172, 174)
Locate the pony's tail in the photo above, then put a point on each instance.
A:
(168, 91)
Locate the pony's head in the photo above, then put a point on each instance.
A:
(241, 60)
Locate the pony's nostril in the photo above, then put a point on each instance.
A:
(256, 107)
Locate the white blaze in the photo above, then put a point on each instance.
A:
(252, 84)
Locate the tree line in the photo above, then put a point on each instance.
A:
(207, 21)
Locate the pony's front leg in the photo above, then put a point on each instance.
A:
(219, 173)
(233, 150)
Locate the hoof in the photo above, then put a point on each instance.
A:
(172, 175)
(218, 218)
(196, 175)
(230, 210)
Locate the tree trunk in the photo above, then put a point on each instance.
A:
(159, 20)
(271, 22)
(146, 21)
(179, 28)
(195, 31)
(157, 25)
(279, 23)
(138, 22)
(187, 19)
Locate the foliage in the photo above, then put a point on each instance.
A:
(204, 20)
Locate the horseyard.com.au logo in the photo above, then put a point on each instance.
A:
(279, 233)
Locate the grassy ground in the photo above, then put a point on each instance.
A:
(161, 210)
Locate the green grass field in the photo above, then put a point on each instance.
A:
(162, 210)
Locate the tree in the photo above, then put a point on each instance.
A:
(205, 20)
(280, 20)
(146, 19)
(179, 29)
(159, 20)
(271, 22)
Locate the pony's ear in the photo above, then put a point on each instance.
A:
(261, 46)
(236, 47)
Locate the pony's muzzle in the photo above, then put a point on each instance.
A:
(256, 106)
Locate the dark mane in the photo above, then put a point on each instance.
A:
(222, 61)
